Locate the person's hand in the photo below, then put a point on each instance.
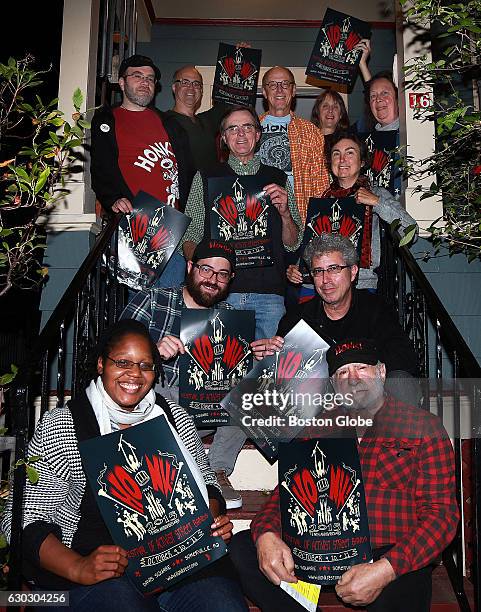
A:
(364, 46)
(122, 205)
(363, 583)
(278, 196)
(243, 45)
(170, 346)
(222, 526)
(364, 196)
(294, 275)
(275, 558)
(104, 562)
(266, 346)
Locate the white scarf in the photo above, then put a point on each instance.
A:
(108, 413)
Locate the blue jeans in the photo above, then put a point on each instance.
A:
(214, 594)
(174, 272)
(108, 596)
(269, 310)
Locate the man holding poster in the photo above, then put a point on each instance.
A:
(290, 143)
(407, 465)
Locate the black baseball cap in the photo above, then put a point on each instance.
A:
(211, 247)
(358, 350)
(136, 61)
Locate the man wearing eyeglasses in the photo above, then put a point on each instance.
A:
(340, 311)
(291, 143)
(136, 148)
(201, 128)
(209, 273)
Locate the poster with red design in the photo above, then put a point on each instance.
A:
(337, 216)
(241, 214)
(148, 236)
(217, 356)
(383, 169)
(323, 507)
(334, 57)
(275, 400)
(236, 75)
(151, 504)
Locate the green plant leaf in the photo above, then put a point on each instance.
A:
(42, 179)
(77, 99)
(32, 474)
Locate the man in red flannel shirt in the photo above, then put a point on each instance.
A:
(407, 464)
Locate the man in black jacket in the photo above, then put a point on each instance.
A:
(340, 311)
(135, 148)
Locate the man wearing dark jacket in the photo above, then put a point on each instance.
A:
(340, 311)
(134, 148)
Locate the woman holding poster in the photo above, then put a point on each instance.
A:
(67, 545)
(347, 159)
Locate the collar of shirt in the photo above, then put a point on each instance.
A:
(390, 127)
(244, 168)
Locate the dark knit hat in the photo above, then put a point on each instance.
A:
(352, 351)
(136, 61)
(211, 247)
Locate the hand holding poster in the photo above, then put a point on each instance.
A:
(236, 75)
(275, 398)
(217, 357)
(323, 507)
(342, 215)
(148, 236)
(241, 214)
(334, 57)
(151, 503)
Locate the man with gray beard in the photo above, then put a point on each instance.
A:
(135, 148)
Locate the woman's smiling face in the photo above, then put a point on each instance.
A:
(127, 387)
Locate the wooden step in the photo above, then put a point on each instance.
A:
(252, 502)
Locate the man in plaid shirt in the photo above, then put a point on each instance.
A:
(407, 465)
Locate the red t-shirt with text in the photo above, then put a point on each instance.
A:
(146, 158)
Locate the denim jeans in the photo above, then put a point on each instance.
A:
(269, 310)
(174, 272)
(108, 596)
(214, 594)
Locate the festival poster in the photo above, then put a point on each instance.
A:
(148, 236)
(217, 356)
(236, 75)
(323, 507)
(151, 504)
(273, 400)
(383, 171)
(338, 216)
(333, 57)
(240, 213)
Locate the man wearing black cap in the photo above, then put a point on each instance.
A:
(407, 464)
(209, 274)
(134, 148)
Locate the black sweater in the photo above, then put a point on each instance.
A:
(107, 180)
(368, 317)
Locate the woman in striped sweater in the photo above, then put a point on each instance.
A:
(66, 544)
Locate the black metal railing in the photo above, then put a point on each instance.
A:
(451, 374)
(92, 301)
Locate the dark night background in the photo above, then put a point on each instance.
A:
(35, 28)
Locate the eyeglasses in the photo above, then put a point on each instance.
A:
(275, 84)
(331, 270)
(382, 95)
(188, 83)
(126, 364)
(138, 76)
(207, 272)
(247, 128)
